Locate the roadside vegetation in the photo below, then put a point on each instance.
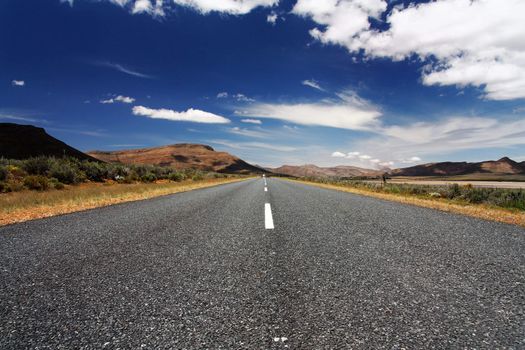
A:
(46, 186)
(505, 205)
(47, 173)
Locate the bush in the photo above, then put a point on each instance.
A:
(16, 172)
(38, 165)
(57, 185)
(197, 177)
(148, 177)
(4, 173)
(4, 187)
(177, 177)
(94, 171)
(36, 182)
(66, 173)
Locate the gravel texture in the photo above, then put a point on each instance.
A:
(197, 270)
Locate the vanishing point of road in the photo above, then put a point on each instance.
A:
(262, 264)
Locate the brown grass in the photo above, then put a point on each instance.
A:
(481, 211)
(28, 205)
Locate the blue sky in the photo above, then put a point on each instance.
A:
(349, 82)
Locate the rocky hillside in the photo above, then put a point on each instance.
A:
(25, 141)
(181, 156)
(316, 171)
(504, 166)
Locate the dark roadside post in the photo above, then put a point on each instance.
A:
(383, 179)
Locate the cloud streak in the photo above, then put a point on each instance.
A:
(123, 69)
(349, 114)
(313, 84)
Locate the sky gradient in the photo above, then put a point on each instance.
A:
(366, 83)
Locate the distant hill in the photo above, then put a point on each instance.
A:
(181, 156)
(25, 141)
(316, 171)
(504, 166)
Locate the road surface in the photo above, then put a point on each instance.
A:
(238, 267)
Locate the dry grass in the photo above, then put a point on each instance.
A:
(28, 205)
(481, 211)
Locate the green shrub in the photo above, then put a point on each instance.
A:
(453, 191)
(57, 185)
(177, 177)
(197, 177)
(94, 171)
(36, 182)
(4, 187)
(4, 173)
(148, 177)
(37, 165)
(16, 171)
(66, 172)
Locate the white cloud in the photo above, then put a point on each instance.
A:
(313, 84)
(146, 6)
(389, 164)
(272, 18)
(243, 98)
(338, 154)
(411, 160)
(119, 98)
(157, 8)
(18, 83)
(353, 115)
(363, 158)
(464, 42)
(234, 7)
(343, 19)
(238, 96)
(443, 137)
(191, 115)
(251, 121)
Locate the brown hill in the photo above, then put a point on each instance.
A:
(181, 156)
(504, 166)
(25, 141)
(315, 171)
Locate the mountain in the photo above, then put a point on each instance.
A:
(25, 141)
(181, 156)
(504, 166)
(315, 171)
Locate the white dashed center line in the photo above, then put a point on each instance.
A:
(265, 189)
(268, 218)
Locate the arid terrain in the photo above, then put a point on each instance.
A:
(180, 156)
(310, 170)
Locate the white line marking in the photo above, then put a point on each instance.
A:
(268, 219)
(266, 189)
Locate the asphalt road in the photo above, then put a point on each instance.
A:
(200, 270)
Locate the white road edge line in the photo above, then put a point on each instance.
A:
(268, 219)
